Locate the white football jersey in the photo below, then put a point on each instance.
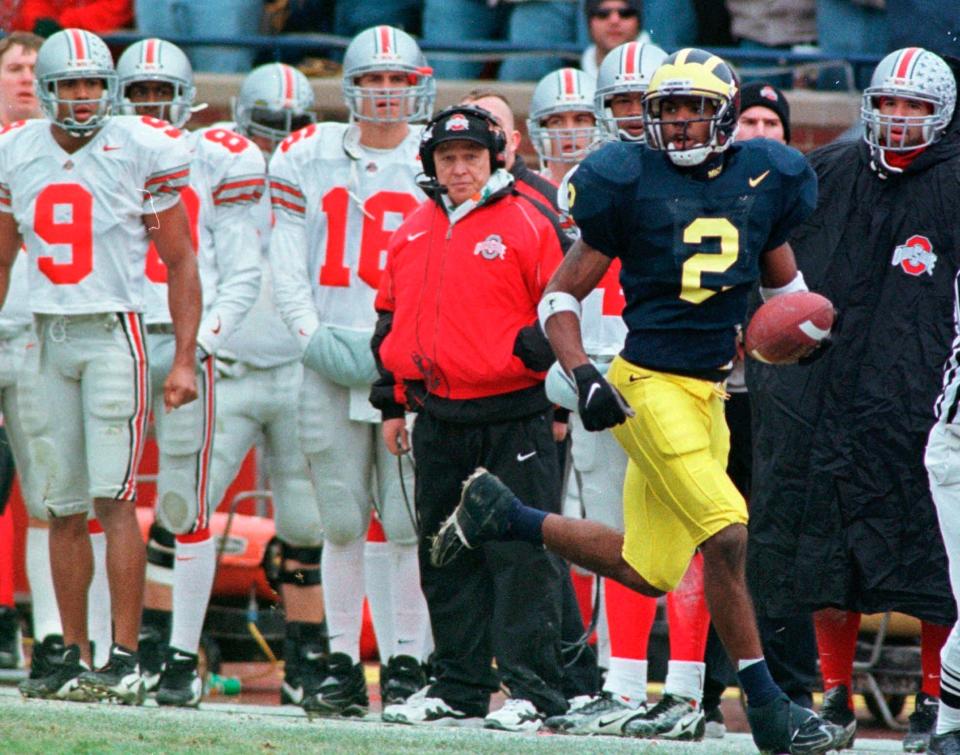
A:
(336, 204)
(601, 319)
(82, 215)
(227, 180)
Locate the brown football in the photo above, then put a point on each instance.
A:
(783, 329)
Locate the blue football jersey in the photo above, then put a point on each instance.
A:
(689, 241)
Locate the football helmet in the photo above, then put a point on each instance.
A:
(157, 60)
(695, 75)
(916, 74)
(626, 69)
(75, 54)
(274, 101)
(383, 48)
(568, 90)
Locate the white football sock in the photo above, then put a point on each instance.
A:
(410, 614)
(685, 679)
(343, 577)
(43, 600)
(193, 571)
(377, 566)
(627, 677)
(99, 618)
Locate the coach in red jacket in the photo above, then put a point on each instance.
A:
(457, 342)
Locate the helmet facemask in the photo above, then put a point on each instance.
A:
(51, 102)
(564, 144)
(177, 109)
(406, 104)
(721, 131)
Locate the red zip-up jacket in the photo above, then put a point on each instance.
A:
(459, 294)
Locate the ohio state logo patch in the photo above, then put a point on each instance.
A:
(915, 256)
(457, 123)
(491, 247)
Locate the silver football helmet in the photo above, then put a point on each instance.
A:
(158, 60)
(383, 48)
(626, 69)
(567, 90)
(274, 101)
(75, 54)
(916, 74)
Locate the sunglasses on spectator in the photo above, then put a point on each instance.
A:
(605, 13)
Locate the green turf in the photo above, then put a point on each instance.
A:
(52, 727)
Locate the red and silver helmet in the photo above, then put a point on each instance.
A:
(568, 90)
(75, 54)
(626, 69)
(384, 48)
(274, 101)
(158, 60)
(916, 74)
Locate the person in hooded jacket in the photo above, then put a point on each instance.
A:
(841, 514)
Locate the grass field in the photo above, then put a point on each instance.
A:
(54, 727)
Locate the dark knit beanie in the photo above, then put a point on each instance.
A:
(762, 94)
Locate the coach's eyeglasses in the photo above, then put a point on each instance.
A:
(605, 13)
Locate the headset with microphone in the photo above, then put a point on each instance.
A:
(460, 122)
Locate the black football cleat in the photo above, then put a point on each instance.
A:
(945, 744)
(782, 726)
(481, 516)
(402, 677)
(922, 723)
(342, 693)
(836, 710)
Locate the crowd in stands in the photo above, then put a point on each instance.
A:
(838, 28)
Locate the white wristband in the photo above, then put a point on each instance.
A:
(797, 284)
(554, 302)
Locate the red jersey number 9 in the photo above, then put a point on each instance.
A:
(63, 215)
(156, 270)
(373, 238)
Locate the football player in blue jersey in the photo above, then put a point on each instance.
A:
(695, 220)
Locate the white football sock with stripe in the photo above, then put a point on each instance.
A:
(193, 571)
(342, 571)
(43, 600)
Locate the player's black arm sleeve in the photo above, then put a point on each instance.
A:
(383, 392)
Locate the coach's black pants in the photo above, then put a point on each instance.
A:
(502, 600)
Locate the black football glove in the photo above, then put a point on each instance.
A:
(599, 403)
(533, 349)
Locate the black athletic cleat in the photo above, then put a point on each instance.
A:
(180, 683)
(836, 710)
(672, 717)
(59, 676)
(152, 651)
(119, 680)
(401, 677)
(923, 722)
(481, 516)
(11, 641)
(343, 692)
(782, 726)
(945, 744)
(51, 647)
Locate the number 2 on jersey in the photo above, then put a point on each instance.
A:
(373, 238)
(691, 280)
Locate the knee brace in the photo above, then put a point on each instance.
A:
(301, 577)
(161, 544)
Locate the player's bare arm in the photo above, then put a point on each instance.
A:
(9, 247)
(170, 231)
(578, 274)
(778, 267)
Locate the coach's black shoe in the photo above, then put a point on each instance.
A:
(59, 677)
(782, 726)
(923, 722)
(50, 648)
(119, 680)
(343, 692)
(945, 744)
(11, 641)
(836, 710)
(180, 682)
(480, 516)
(402, 677)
